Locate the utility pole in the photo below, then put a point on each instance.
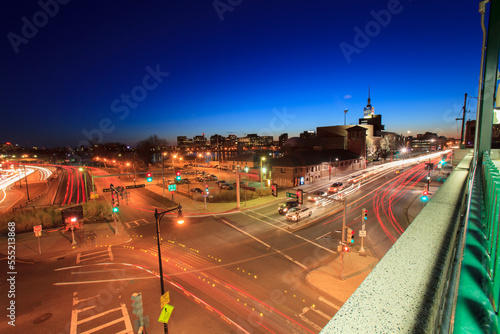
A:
(343, 241)
(462, 144)
(238, 189)
(204, 196)
(163, 174)
(345, 113)
(26, 181)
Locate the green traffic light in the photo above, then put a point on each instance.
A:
(424, 198)
(149, 179)
(115, 209)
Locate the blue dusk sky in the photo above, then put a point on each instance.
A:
(124, 70)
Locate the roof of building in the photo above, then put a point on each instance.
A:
(309, 158)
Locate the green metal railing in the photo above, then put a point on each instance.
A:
(479, 288)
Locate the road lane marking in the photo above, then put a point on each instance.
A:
(110, 253)
(296, 235)
(326, 301)
(104, 280)
(245, 233)
(324, 315)
(262, 242)
(309, 322)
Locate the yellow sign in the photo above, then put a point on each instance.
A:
(165, 313)
(165, 299)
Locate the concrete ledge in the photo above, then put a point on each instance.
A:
(404, 291)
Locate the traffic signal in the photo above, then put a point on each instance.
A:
(206, 190)
(149, 177)
(424, 198)
(364, 215)
(178, 175)
(350, 236)
(274, 189)
(425, 192)
(300, 196)
(137, 304)
(115, 209)
(180, 217)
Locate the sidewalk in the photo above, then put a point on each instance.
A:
(58, 243)
(356, 267)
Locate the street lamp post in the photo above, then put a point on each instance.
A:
(26, 181)
(163, 172)
(84, 180)
(261, 175)
(158, 217)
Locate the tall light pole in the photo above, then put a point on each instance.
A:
(163, 172)
(158, 217)
(261, 175)
(345, 113)
(26, 181)
(403, 152)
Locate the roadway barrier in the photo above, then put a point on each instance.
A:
(479, 288)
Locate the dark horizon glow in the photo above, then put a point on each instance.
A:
(266, 68)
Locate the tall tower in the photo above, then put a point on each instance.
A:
(369, 110)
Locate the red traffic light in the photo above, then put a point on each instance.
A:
(148, 175)
(425, 192)
(178, 173)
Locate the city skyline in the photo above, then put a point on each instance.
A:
(125, 73)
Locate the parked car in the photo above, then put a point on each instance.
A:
(336, 187)
(196, 190)
(183, 181)
(198, 179)
(213, 177)
(284, 207)
(241, 184)
(220, 182)
(315, 195)
(297, 213)
(224, 168)
(226, 186)
(170, 182)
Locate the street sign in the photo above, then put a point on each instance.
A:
(293, 195)
(172, 187)
(166, 312)
(106, 190)
(136, 186)
(165, 299)
(37, 228)
(247, 188)
(362, 233)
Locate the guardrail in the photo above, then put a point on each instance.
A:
(479, 289)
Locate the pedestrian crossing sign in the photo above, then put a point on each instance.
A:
(165, 313)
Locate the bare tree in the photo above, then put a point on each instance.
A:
(149, 149)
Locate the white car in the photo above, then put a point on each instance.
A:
(297, 213)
